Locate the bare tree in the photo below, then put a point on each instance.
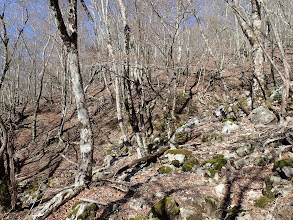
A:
(69, 37)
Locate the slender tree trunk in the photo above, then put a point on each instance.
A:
(69, 38)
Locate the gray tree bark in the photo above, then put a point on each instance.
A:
(69, 38)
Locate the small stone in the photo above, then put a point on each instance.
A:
(288, 171)
(229, 126)
(220, 189)
(160, 195)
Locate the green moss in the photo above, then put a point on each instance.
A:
(5, 194)
(263, 202)
(137, 218)
(268, 93)
(267, 189)
(166, 208)
(193, 161)
(176, 163)
(181, 138)
(165, 169)
(212, 137)
(261, 162)
(88, 213)
(187, 167)
(72, 213)
(186, 153)
(283, 163)
(211, 175)
(76, 204)
(216, 163)
(206, 138)
(227, 119)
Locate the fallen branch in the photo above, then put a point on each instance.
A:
(93, 201)
(70, 161)
(137, 161)
(42, 212)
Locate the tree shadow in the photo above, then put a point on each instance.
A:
(232, 180)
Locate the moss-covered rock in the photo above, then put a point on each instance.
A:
(187, 167)
(137, 218)
(165, 169)
(217, 162)
(167, 208)
(284, 168)
(210, 174)
(282, 163)
(176, 163)
(193, 161)
(181, 138)
(208, 206)
(214, 138)
(83, 211)
(263, 201)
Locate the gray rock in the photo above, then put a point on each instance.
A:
(262, 115)
(245, 150)
(288, 171)
(238, 164)
(188, 126)
(87, 210)
(160, 195)
(187, 213)
(244, 216)
(179, 157)
(229, 126)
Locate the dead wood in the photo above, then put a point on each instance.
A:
(61, 198)
(137, 161)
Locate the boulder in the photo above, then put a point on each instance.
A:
(262, 115)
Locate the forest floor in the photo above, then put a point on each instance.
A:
(234, 190)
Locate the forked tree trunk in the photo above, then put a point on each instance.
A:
(69, 38)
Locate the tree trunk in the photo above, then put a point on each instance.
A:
(69, 39)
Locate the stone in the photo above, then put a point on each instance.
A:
(179, 157)
(284, 167)
(262, 115)
(166, 208)
(219, 189)
(229, 126)
(160, 195)
(245, 150)
(188, 126)
(187, 214)
(288, 171)
(244, 216)
(82, 210)
(238, 164)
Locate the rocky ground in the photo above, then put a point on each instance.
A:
(219, 166)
